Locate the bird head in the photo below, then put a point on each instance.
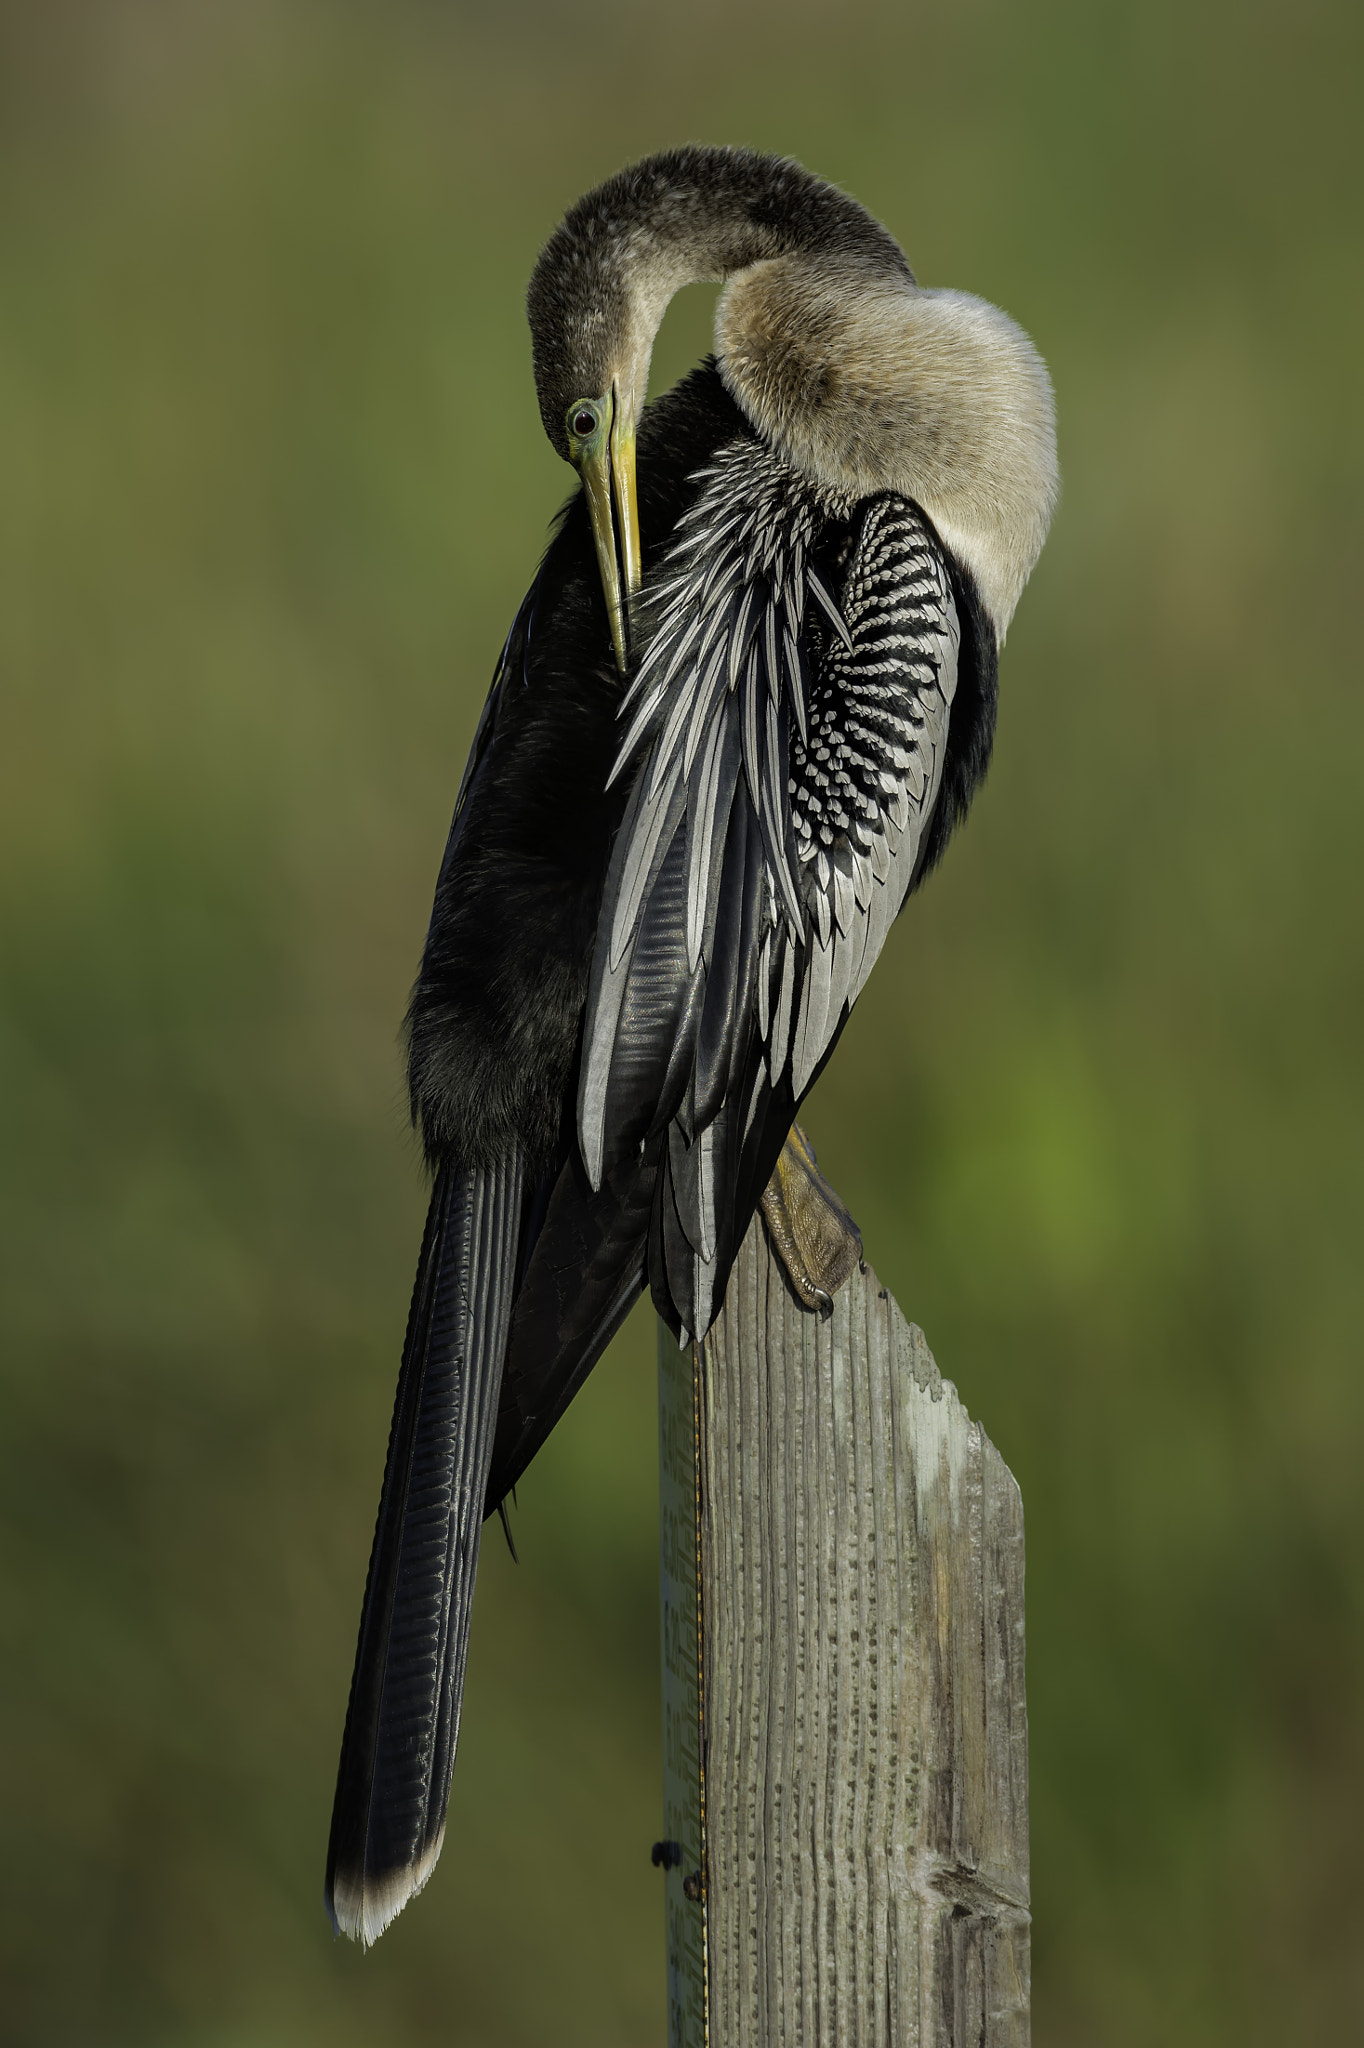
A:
(598, 430)
(602, 285)
(591, 372)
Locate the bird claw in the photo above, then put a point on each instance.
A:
(812, 1233)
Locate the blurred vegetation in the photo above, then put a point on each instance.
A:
(272, 484)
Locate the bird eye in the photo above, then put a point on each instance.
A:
(583, 421)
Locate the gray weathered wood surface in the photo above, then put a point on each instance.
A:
(864, 1737)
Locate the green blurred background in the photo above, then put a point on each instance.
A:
(271, 485)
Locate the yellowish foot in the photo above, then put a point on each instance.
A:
(812, 1233)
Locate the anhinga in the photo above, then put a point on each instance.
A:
(747, 698)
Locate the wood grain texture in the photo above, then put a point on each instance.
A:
(865, 1722)
(683, 1845)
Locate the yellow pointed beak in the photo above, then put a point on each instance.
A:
(609, 459)
(627, 502)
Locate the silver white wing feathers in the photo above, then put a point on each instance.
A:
(785, 731)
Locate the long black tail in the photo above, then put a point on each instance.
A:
(402, 1723)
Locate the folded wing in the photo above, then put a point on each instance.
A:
(786, 733)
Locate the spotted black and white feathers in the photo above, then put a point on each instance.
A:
(865, 779)
(786, 731)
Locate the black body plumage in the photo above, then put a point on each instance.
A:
(658, 901)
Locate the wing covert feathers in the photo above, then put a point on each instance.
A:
(785, 734)
(402, 1723)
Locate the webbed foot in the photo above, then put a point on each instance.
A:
(812, 1233)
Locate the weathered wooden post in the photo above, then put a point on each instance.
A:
(845, 1732)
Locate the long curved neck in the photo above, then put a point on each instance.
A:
(604, 280)
(857, 376)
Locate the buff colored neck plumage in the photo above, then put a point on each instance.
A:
(868, 384)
